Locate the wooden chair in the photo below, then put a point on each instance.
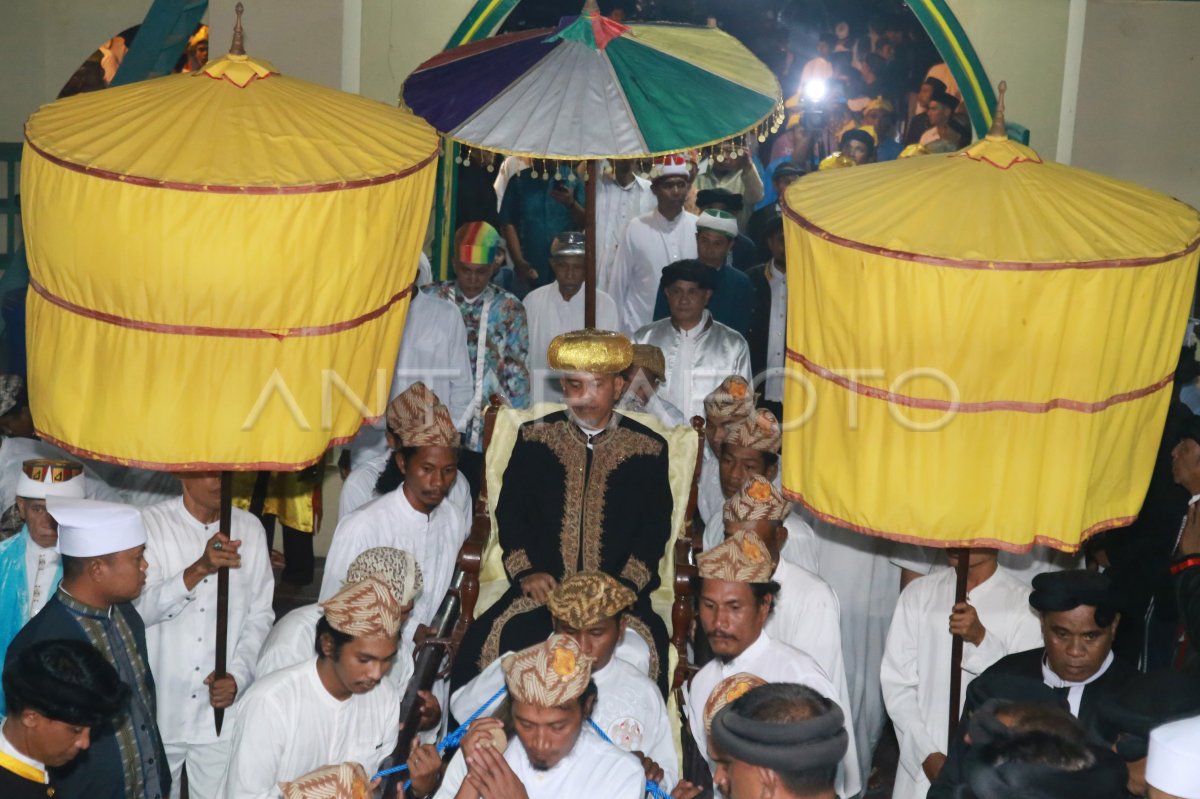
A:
(673, 600)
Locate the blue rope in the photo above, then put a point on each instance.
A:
(455, 737)
(451, 739)
(651, 786)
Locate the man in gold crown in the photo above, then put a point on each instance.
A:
(585, 489)
(546, 748)
(737, 596)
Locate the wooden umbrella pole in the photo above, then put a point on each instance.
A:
(589, 238)
(956, 647)
(223, 592)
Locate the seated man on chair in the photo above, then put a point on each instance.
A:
(586, 489)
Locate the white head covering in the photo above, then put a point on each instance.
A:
(721, 221)
(45, 478)
(1173, 764)
(88, 528)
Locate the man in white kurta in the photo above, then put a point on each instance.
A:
(589, 607)
(621, 196)
(184, 547)
(751, 447)
(549, 686)
(433, 350)
(916, 664)
(291, 640)
(415, 517)
(651, 241)
(805, 614)
(735, 601)
(334, 708)
(557, 308)
(700, 352)
(727, 404)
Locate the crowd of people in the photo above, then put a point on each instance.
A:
(808, 638)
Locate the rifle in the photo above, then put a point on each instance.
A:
(436, 647)
(439, 641)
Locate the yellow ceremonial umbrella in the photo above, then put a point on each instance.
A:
(981, 346)
(221, 264)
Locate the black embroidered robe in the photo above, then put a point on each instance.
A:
(565, 507)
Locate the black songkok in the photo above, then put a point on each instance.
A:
(819, 741)
(1067, 590)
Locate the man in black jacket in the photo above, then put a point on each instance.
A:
(1080, 612)
(586, 489)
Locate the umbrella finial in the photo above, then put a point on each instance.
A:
(998, 129)
(237, 48)
(590, 7)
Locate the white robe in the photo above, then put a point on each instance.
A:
(359, 487)
(651, 242)
(807, 617)
(433, 350)
(550, 315)
(697, 360)
(915, 673)
(799, 550)
(629, 709)
(1022, 565)
(592, 768)
(391, 521)
(859, 571)
(181, 627)
(616, 206)
(293, 640)
(290, 725)
(773, 661)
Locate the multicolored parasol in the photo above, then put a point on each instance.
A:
(594, 88)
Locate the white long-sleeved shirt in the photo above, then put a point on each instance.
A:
(293, 640)
(773, 661)
(776, 333)
(549, 315)
(697, 360)
(651, 242)
(181, 625)
(359, 487)
(616, 206)
(915, 673)
(629, 709)
(800, 549)
(289, 725)
(807, 616)
(592, 768)
(433, 350)
(391, 521)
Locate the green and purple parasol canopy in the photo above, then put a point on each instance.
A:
(593, 88)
